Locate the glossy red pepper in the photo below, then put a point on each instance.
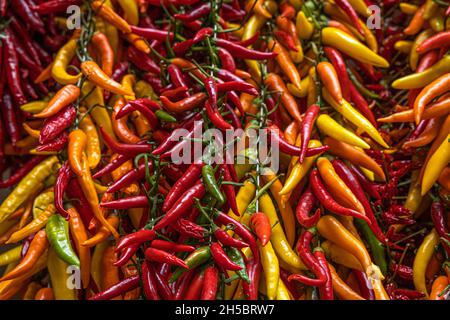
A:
(123, 148)
(153, 254)
(171, 246)
(326, 291)
(338, 63)
(142, 61)
(194, 13)
(210, 283)
(11, 63)
(126, 203)
(221, 258)
(189, 229)
(306, 128)
(242, 52)
(305, 205)
(120, 288)
(152, 34)
(62, 181)
(149, 283)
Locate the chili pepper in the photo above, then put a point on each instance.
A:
(62, 181)
(227, 240)
(253, 268)
(242, 52)
(142, 61)
(194, 14)
(171, 246)
(362, 105)
(110, 16)
(421, 260)
(56, 124)
(270, 265)
(193, 260)
(330, 79)
(434, 89)
(11, 124)
(149, 282)
(123, 286)
(438, 217)
(185, 104)
(126, 203)
(103, 232)
(304, 206)
(364, 285)
(21, 172)
(152, 254)
(210, 283)
(181, 205)
(285, 62)
(128, 178)
(439, 286)
(437, 162)
(64, 97)
(55, 6)
(122, 148)
(328, 202)
(306, 129)
(22, 8)
(343, 291)
(226, 59)
(195, 289)
(138, 237)
(350, 11)
(261, 226)
(37, 247)
(189, 229)
(211, 183)
(58, 235)
(326, 291)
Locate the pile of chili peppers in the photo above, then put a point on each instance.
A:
(92, 105)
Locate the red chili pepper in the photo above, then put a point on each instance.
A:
(134, 175)
(171, 246)
(56, 144)
(240, 230)
(404, 272)
(126, 203)
(183, 284)
(181, 206)
(3, 7)
(353, 184)
(304, 207)
(186, 140)
(326, 291)
(149, 283)
(185, 104)
(438, 41)
(195, 288)
(189, 177)
(163, 288)
(250, 41)
(11, 123)
(242, 52)
(304, 250)
(11, 62)
(221, 258)
(210, 283)
(138, 237)
(54, 6)
(62, 181)
(211, 89)
(114, 164)
(122, 287)
(56, 124)
(226, 60)
(338, 63)
(153, 254)
(126, 255)
(26, 40)
(142, 60)
(290, 149)
(365, 183)
(152, 34)
(237, 86)
(79, 201)
(21, 172)
(350, 11)
(411, 294)
(364, 285)
(229, 189)
(260, 224)
(361, 104)
(227, 240)
(253, 267)
(215, 117)
(228, 13)
(189, 229)
(123, 148)
(306, 128)
(327, 200)
(23, 10)
(286, 40)
(194, 14)
(143, 109)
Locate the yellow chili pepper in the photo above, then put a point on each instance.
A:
(413, 55)
(143, 89)
(421, 260)
(403, 46)
(437, 163)
(95, 104)
(61, 62)
(128, 82)
(93, 150)
(112, 34)
(408, 8)
(25, 187)
(34, 106)
(59, 278)
(300, 170)
(305, 28)
(342, 41)
(243, 198)
(360, 7)
(130, 10)
(96, 263)
(42, 201)
(253, 25)
(353, 115)
(329, 126)
(77, 143)
(424, 78)
(303, 92)
(431, 8)
(414, 197)
(283, 292)
(278, 238)
(88, 187)
(341, 256)
(10, 256)
(342, 290)
(271, 269)
(35, 225)
(437, 23)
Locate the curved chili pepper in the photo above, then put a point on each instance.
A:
(226, 59)
(149, 283)
(326, 291)
(56, 124)
(253, 267)
(185, 104)
(434, 42)
(118, 289)
(122, 148)
(304, 207)
(306, 128)
(62, 181)
(153, 254)
(126, 203)
(171, 246)
(23, 9)
(364, 285)
(194, 14)
(221, 258)
(227, 240)
(328, 202)
(80, 202)
(138, 237)
(142, 60)
(242, 52)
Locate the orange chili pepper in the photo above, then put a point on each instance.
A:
(45, 74)
(37, 248)
(121, 129)
(138, 42)
(96, 75)
(77, 143)
(285, 62)
(103, 233)
(354, 155)
(275, 83)
(258, 7)
(337, 24)
(79, 235)
(416, 22)
(444, 178)
(438, 109)
(431, 91)
(427, 136)
(133, 188)
(291, 132)
(130, 270)
(106, 52)
(44, 294)
(190, 67)
(337, 187)
(330, 80)
(343, 291)
(439, 285)
(110, 273)
(185, 104)
(110, 16)
(65, 96)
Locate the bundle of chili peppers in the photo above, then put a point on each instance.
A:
(105, 179)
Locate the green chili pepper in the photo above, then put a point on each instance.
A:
(57, 230)
(364, 91)
(193, 260)
(211, 184)
(164, 116)
(376, 247)
(235, 255)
